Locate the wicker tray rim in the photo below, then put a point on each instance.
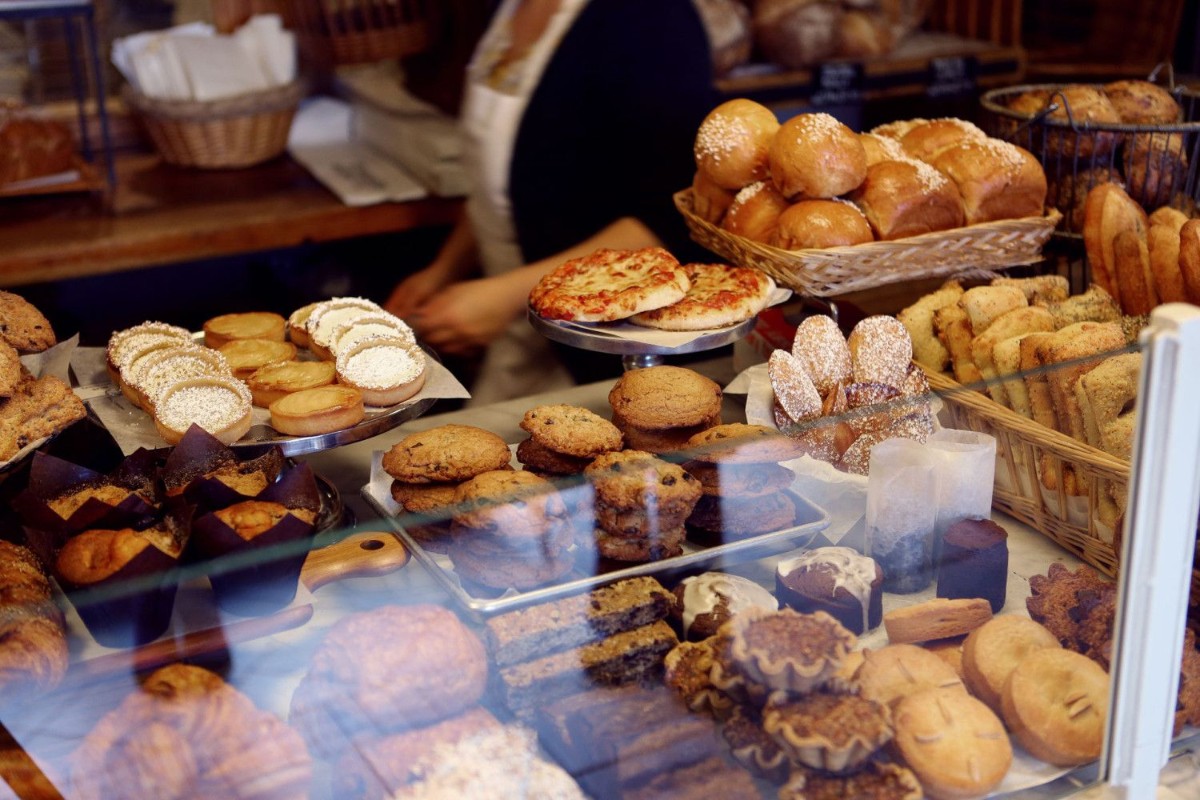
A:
(927, 255)
(277, 98)
(1081, 453)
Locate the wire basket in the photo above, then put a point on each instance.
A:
(837, 270)
(232, 132)
(1158, 165)
(334, 32)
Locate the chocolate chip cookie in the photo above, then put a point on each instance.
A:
(543, 459)
(740, 480)
(742, 443)
(734, 517)
(571, 430)
(445, 454)
(661, 397)
(635, 479)
(517, 504)
(662, 440)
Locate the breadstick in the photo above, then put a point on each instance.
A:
(954, 330)
(1131, 260)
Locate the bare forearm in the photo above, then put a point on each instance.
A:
(459, 254)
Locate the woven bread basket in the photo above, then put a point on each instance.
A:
(837, 270)
(1025, 450)
(218, 134)
(334, 32)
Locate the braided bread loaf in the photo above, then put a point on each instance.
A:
(33, 640)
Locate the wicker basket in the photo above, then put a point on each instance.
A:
(235, 132)
(1021, 445)
(334, 32)
(837, 270)
(1158, 164)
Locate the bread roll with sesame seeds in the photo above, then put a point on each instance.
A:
(906, 198)
(813, 156)
(755, 212)
(996, 180)
(733, 141)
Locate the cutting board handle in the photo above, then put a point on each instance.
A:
(367, 554)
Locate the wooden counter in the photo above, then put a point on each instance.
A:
(162, 215)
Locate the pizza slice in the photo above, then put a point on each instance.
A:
(609, 285)
(720, 296)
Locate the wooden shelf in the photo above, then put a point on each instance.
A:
(162, 214)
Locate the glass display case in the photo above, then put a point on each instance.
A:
(757, 608)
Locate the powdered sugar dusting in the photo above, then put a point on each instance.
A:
(124, 345)
(328, 314)
(355, 331)
(169, 368)
(213, 406)
(821, 348)
(380, 365)
(880, 350)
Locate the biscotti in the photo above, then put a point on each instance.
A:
(533, 632)
(936, 619)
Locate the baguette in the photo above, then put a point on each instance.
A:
(1107, 211)
(1162, 242)
(1131, 260)
(1189, 259)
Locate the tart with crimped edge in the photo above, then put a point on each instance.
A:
(273, 381)
(609, 284)
(123, 344)
(244, 325)
(687, 669)
(725, 675)
(315, 411)
(329, 314)
(152, 375)
(879, 780)
(827, 730)
(385, 371)
(752, 747)
(786, 649)
(372, 326)
(247, 355)
(220, 404)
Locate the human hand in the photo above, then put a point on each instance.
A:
(466, 317)
(414, 290)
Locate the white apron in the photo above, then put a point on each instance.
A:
(521, 361)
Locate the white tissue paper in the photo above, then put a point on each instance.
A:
(193, 62)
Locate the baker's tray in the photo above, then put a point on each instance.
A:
(810, 521)
(600, 337)
(133, 428)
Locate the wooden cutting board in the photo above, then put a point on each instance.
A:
(367, 554)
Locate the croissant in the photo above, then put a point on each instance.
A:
(33, 641)
(186, 734)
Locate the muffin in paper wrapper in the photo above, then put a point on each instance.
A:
(786, 649)
(256, 576)
(208, 474)
(786, 719)
(51, 479)
(132, 605)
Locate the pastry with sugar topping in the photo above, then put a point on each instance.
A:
(328, 315)
(386, 371)
(152, 375)
(373, 326)
(124, 344)
(218, 404)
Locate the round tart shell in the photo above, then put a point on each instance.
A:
(316, 411)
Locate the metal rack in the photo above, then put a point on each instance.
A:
(83, 13)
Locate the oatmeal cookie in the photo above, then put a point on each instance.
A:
(740, 480)
(633, 479)
(11, 371)
(542, 459)
(517, 504)
(479, 561)
(23, 326)
(736, 516)
(1052, 596)
(444, 454)
(425, 498)
(635, 522)
(571, 430)
(664, 440)
(665, 397)
(742, 443)
(664, 544)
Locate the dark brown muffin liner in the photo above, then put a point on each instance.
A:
(132, 606)
(51, 477)
(258, 576)
(199, 453)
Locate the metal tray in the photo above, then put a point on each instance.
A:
(95, 388)
(810, 521)
(594, 337)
